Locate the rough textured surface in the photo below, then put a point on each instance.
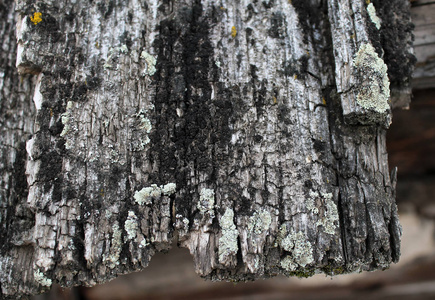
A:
(232, 127)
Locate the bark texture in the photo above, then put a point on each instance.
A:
(250, 132)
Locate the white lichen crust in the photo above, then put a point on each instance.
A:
(131, 225)
(374, 91)
(373, 16)
(41, 278)
(145, 195)
(228, 241)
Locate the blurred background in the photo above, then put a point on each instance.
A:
(411, 147)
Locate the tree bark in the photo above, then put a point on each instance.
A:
(251, 133)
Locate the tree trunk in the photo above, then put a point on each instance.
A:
(250, 132)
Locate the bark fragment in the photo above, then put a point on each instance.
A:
(233, 128)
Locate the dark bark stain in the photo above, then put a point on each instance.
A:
(395, 33)
(183, 142)
(277, 26)
(310, 16)
(296, 67)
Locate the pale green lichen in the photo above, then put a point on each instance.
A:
(65, 118)
(145, 126)
(310, 202)
(41, 278)
(184, 222)
(259, 222)
(145, 195)
(115, 248)
(206, 202)
(123, 48)
(68, 127)
(373, 16)
(143, 243)
(374, 90)
(300, 248)
(131, 225)
(228, 241)
(330, 219)
(169, 189)
(150, 61)
(113, 54)
(288, 263)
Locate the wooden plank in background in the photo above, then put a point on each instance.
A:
(423, 16)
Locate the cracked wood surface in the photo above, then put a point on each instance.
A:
(235, 128)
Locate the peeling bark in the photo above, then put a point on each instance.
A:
(252, 134)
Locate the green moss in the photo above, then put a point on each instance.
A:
(306, 273)
(334, 270)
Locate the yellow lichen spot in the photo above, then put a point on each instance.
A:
(274, 100)
(307, 52)
(323, 101)
(353, 36)
(233, 31)
(367, 2)
(295, 76)
(36, 18)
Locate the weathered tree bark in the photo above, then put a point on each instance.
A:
(250, 132)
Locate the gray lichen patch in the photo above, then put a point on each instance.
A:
(131, 225)
(143, 127)
(300, 248)
(65, 118)
(310, 202)
(41, 278)
(259, 222)
(68, 125)
(374, 90)
(228, 241)
(287, 263)
(114, 53)
(182, 223)
(206, 202)
(373, 16)
(150, 62)
(145, 195)
(330, 219)
(115, 249)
